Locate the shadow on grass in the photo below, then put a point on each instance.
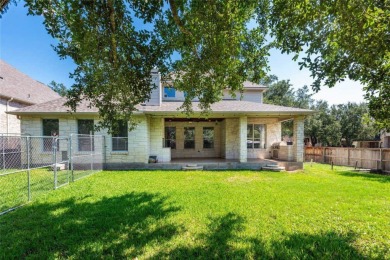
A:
(224, 239)
(367, 176)
(131, 225)
(116, 227)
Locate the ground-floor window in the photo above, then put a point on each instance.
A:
(50, 131)
(170, 137)
(208, 137)
(85, 129)
(120, 137)
(256, 136)
(189, 137)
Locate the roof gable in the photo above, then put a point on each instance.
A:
(17, 85)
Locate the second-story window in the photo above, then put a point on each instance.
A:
(169, 92)
(120, 138)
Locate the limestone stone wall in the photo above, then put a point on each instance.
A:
(232, 144)
(223, 139)
(156, 136)
(138, 148)
(147, 138)
(138, 139)
(243, 139)
(31, 126)
(298, 139)
(13, 124)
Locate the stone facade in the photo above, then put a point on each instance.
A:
(9, 123)
(243, 127)
(147, 139)
(298, 139)
(232, 142)
(156, 140)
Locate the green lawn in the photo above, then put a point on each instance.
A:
(13, 187)
(314, 214)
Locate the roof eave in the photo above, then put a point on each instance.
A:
(219, 113)
(17, 100)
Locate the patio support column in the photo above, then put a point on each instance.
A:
(298, 139)
(243, 129)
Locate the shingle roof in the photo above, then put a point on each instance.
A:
(251, 85)
(15, 84)
(55, 106)
(224, 106)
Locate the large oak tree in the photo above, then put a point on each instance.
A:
(217, 44)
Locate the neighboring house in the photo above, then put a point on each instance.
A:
(18, 90)
(236, 130)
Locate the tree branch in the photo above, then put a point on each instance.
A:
(113, 29)
(180, 25)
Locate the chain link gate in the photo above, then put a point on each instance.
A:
(87, 155)
(34, 165)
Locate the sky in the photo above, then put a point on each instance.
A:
(25, 44)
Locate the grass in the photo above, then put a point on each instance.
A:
(312, 214)
(14, 186)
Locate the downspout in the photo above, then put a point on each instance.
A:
(6, 111)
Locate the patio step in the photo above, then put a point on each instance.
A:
(192, 167)
(274, 168)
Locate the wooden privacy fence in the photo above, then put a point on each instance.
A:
(367, 158)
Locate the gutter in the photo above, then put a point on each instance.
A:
(17, 100)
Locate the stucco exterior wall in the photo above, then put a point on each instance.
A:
(9, 123)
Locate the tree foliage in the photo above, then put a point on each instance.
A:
(59, 88)
(282, 93)
(330, 124)
(114, 56)
(340, 39)
(220, 43)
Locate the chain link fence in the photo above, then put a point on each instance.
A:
(33, 165)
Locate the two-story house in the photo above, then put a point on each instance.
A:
(237, 130)
(18, 90)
